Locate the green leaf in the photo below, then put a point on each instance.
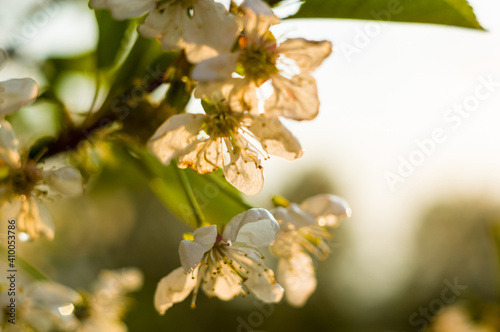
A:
(447, 12)
(193, 197)
(112, 38)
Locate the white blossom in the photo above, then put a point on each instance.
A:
(102, 310)
(224, 265)
(303, 233)
(27, 185)
(287, 66)
(42, 306)
(233, 141)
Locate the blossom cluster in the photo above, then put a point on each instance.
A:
(237, 58)
(46, 306)
(25, 184)
(230, 263)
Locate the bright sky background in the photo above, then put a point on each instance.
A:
(375, 104)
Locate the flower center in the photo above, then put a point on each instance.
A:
(221, 122)
(257, 61)
(24, 179)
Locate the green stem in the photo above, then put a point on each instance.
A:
(200, 219)
(27, 267)
(231, 194)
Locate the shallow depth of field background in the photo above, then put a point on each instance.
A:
(403, 243)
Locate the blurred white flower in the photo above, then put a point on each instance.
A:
(15, 93)
(42, 306)
(124, 9)
(225, 139)
(224, 265)
(103, 309)
(260, 59)
(303, 231)
(27, 184)
(202, 28)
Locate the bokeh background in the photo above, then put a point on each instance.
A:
(384, 92)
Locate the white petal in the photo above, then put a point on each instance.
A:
(298, 278)
(261, 281)
(225, 288)
(275, 138)
(191, 252)
(173, 288)
(35, 220)
(204, 29)
(119, 281)
(328, 209)
(123, 9)
(292, 217)
(206, 157)
(256, 227)
(176, 137)
(9, 145)
(245, 175)
(258, 17)
(48, 293)
(295, 98)
(16, 93)
(215, 69)
(307, 54)
(66, 181)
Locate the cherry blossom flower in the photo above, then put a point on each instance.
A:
(287, 66)
(42, 306)
(202, 28)
(15, 93)
(224, 265)
(233, 141)
(104, 307)
(303, 233)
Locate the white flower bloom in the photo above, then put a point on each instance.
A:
(15, 93)
(203, 28)
(224, 265)
(104, 308)
(260, 59)
(43, 305)
(303, 233)
(123, 9)
(27, 184)
(225, 139)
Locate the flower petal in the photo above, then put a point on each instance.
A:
(9, 145)
(295, 98)
(191, 252)
(328, 209)
(292, 217)
(275, 138)
(16, 93)
(204, 158)
(224, 287)
(190, 26)
(173, 288)
(256, 227)
(123, 9)
(244, 174)
(261, 281)
(66, 181)
(215, 69)
(258, 17)
(176, 137)
(307, 54)
(298, 278)
(35, 220)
